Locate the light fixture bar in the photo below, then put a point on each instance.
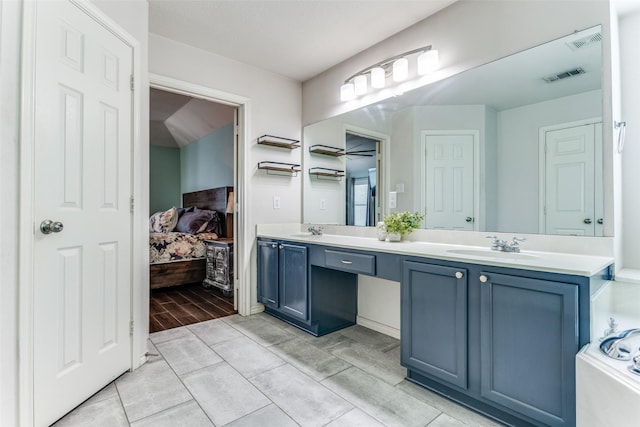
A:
(387, 62)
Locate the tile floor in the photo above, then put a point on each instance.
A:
(257, 371)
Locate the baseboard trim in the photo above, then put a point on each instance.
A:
(141, 360)
(379, 327)
(255, 309)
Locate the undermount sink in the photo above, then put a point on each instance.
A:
(487, 253)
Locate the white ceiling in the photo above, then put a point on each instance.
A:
(294, 38)
(178, 120)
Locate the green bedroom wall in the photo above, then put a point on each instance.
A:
(164, 178)
(208, 162)
(205, 163)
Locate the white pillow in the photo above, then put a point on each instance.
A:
(164, 221)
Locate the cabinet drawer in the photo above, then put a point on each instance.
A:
(347, 261)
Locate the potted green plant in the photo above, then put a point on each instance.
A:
(398, 224)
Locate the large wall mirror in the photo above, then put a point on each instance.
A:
(511, 146)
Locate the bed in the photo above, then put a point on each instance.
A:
(178, 258)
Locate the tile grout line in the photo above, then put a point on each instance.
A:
(182, 382)
(294, 367)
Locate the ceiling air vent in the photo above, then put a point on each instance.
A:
(564, 75)
(585, 41)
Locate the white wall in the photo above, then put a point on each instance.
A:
(274, 108)
(9, 162)
(467, 34)
(630, 64)
(518, 154)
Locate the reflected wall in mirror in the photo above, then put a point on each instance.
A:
(511, 146)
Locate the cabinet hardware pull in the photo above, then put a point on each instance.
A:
(346, 262)
(273, 245)
(483, 278)
(281, 247)
(459, 275)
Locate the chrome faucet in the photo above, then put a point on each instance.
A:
(316, 231)
(618, 346)
(612, 329)
(502, 245)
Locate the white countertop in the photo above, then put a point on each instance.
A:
(555, 262)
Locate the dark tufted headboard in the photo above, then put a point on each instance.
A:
(214, 199)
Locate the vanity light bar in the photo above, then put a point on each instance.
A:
(356, 85)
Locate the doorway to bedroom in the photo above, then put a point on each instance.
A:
(192, 172)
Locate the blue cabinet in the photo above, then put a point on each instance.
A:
(500, 340)
(293, 282)
(529, 339)
(268, 273)
(434, 321)
(316, 299)
(282, 278)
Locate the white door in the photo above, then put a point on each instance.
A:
(570, 182)
(82, 164)
(449, 175)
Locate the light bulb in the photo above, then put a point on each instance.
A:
(377, 77)
(347, 92)
(360, 83)
(428, 62)
(400, 69)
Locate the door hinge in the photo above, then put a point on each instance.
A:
(131, 327)
(132, 82)
(131, 203)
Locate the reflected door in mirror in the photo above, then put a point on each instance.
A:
(449, 180)
(572, 174)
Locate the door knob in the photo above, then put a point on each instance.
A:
(459, 275)
(47, 226)
(468, 219)
(587, 221)
(483, 278)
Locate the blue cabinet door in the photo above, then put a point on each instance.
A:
(434, 321)
(529, 339)
(293, 280)
(268, 273)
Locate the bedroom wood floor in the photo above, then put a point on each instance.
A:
(185, 305)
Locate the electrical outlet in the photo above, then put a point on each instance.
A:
(323, 204)
(276, 202)
(393, 199)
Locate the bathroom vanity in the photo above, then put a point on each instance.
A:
(497, 332)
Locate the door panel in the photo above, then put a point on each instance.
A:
(529, 339)
(82, 163)
(434, 321)
(449, 181)
(268, 273)
(293, 281)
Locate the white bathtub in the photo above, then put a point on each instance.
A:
(607, 394)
